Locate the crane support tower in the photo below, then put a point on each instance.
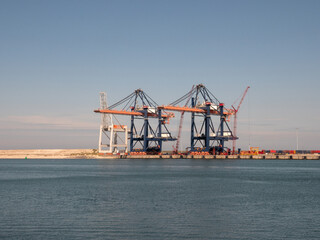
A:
(205, 137)
(235, 120)
(176, 148)
(146, 137)
(112, 138)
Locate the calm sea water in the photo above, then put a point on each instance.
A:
(159, 199)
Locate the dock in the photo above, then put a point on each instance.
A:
(93, 154)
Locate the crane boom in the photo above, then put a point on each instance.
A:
(244, 94)
(194, 110)
(132, 113)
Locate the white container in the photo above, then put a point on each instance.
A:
(165, 135)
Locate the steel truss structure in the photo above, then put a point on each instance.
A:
(112, 138)
(140, 106)
(205, 136)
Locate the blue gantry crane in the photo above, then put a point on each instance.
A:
(205, 137)
(149, 138)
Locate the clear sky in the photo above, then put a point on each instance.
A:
(56, 56)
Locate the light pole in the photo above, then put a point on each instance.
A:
(297, 137)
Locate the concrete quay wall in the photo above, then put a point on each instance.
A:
(92, 154)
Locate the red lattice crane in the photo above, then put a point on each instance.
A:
(176, 148)
(235, 120)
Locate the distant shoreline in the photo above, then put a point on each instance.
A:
(93, 154)
(48, 154)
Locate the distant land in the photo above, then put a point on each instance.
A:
(48, 153)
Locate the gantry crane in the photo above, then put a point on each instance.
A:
(204, 105)
(110, 139)
(235, 120)
(140, 106)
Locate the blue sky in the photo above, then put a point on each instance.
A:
(56, 56)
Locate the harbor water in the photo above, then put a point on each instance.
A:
(159, 199)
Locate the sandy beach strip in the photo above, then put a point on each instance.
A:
(47, 153)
